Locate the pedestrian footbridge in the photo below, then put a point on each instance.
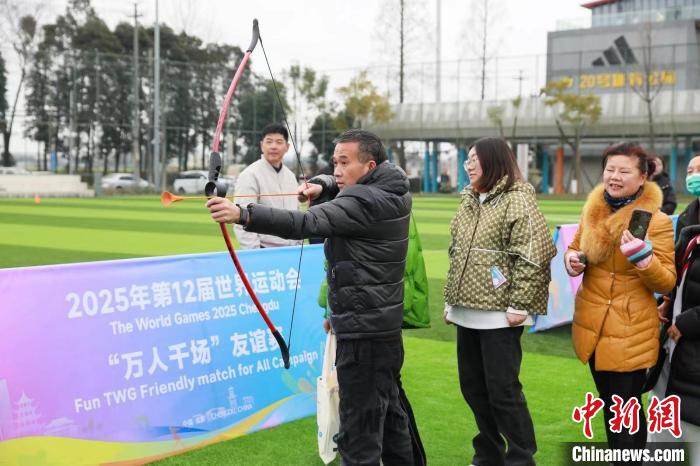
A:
(676, 114)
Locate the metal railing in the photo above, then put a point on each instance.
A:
(630, 17)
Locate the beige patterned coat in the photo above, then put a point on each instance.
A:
(507, 232)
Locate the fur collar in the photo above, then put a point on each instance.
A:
(602, 228)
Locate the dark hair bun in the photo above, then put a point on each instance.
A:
(651, 167)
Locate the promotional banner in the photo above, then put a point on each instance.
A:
(562, 288)
(121, 360)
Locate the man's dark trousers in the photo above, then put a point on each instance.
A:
(373, 422)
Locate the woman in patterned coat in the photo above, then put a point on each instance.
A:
(615, 327)
(498, 279)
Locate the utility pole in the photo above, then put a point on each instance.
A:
(520, 80)
(73, 152)
(400, 153)
(163, 141)
(401, 40)
(135, 125)
(96, 141)
(436, 143)
(156, 103)
(438, 64)
(483, 49)
(296, 105)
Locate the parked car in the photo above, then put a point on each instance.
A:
(14, 171)
(230, 181)
(120, 182)
(193, 182)
(190, 182)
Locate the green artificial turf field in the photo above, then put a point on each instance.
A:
(78, 230)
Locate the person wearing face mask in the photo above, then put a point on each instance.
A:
(615, 325)
(691, 214)
(678, 369)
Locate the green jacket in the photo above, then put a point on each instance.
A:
(415, 285)
(506, 236)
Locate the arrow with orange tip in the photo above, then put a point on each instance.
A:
(168, 198)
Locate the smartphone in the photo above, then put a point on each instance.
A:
(639, 223)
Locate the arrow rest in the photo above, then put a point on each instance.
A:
(215, 187)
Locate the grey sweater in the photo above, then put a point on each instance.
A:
(261, 177)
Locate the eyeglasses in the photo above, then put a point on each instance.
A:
(472, 161)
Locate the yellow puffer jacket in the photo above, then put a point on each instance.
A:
(615, 313)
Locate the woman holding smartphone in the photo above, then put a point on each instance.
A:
(615, 327)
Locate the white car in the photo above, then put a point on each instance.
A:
(123, 182)
(190, 182)
(193, 182)
(13, 171)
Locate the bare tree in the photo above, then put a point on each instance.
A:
(483, 34)
(650, 86)
(309, 102)
(404, 33)
(404, 36)
(189, 17)
(17, 27)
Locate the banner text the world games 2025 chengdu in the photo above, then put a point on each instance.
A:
(131, 359)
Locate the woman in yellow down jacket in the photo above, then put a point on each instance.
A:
(616, 327)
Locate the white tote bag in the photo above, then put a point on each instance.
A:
(327, 401)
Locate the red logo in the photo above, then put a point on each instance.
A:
(665, 415)
(587, 412)
(625, 416)
(662, 415)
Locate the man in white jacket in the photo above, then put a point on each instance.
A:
(267, 176)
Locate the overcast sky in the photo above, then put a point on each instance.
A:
(337, 34)
(337, 37)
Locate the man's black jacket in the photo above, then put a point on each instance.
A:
(690, 216)
(684, 380)
(366, 231)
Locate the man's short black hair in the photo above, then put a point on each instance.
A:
(369, 145)
(275, 128)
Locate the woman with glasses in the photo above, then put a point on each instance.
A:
(498, 279)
